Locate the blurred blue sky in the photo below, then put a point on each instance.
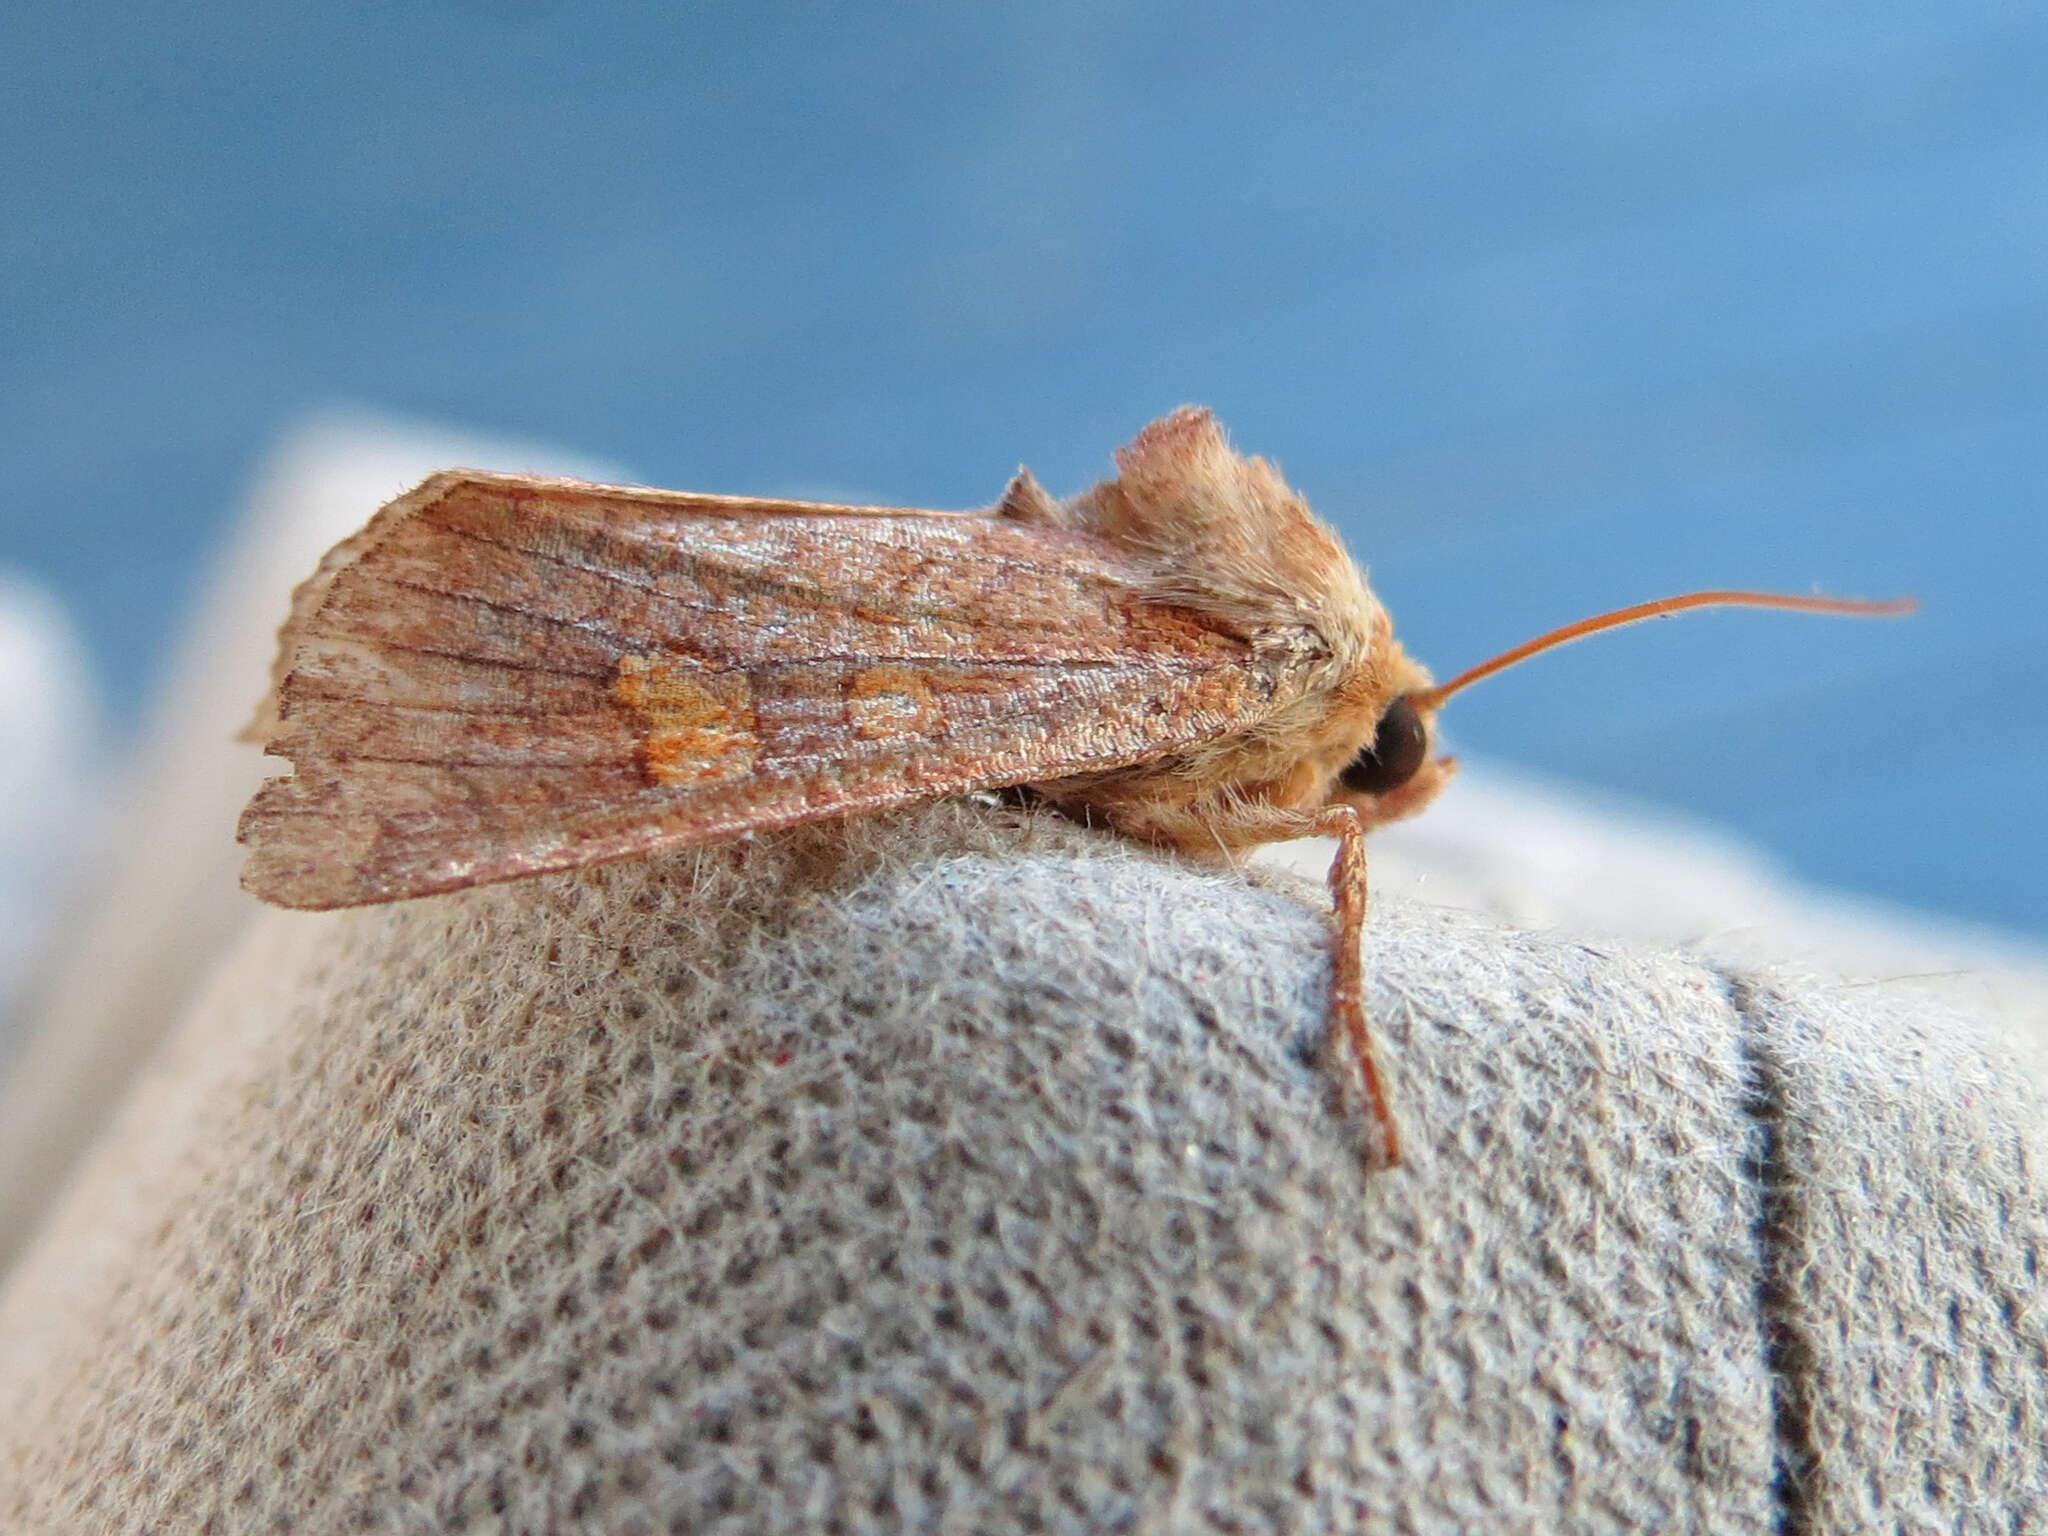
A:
(1550, 308)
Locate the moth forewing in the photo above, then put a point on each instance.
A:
(502, 676)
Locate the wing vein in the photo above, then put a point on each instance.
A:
(581, 626)
(757, 575)
(467, 658)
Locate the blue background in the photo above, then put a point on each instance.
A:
(1550, 308)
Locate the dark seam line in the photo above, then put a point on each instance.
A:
(1789, 1354)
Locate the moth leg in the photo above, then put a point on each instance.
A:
(1347, 976)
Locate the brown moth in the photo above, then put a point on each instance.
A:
(502, 675)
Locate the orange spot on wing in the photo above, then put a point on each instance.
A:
(699, 723)
(890, 701)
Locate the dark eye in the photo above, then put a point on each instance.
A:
(1398, 749)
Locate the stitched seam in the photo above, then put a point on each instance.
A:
(1789, 1353)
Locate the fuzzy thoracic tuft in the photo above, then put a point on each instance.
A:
(1223, 535)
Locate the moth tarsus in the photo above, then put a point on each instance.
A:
(503, 675)
(1349, 894)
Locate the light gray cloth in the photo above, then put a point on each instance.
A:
(948, 1172)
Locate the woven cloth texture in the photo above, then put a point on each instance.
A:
(960, 1172)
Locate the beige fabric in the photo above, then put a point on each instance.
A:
(944, 1173)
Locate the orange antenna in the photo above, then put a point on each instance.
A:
(1854, 607)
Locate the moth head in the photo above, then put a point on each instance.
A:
(1389, 765)
(1397, 771)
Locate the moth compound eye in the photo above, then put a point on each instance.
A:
(1399, 748)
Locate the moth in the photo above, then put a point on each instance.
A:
(502, 675)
